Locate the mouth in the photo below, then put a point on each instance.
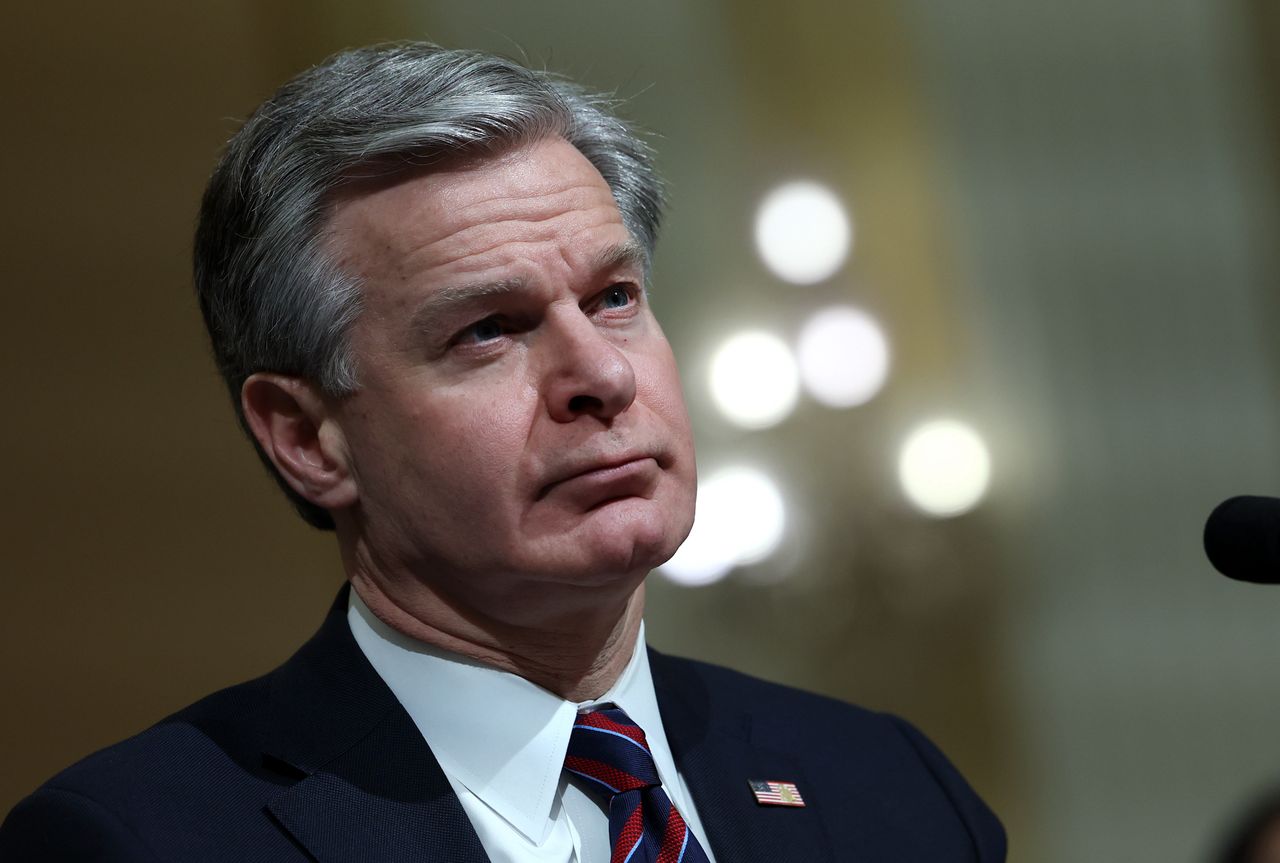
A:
(613, 478)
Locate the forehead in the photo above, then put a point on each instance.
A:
(459, 211)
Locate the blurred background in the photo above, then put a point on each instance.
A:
(975, 307)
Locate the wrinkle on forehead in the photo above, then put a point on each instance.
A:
(484, 244)
(449, 211)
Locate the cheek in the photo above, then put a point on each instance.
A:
(658, 386)
(477, 443)
(444, 449)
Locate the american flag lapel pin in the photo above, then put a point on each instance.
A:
(771, 793)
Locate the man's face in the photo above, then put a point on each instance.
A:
(519, 415)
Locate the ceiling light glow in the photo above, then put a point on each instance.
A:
(843, 356)
(740, 520)
(944, 468)
(803, 233)
(754, 380)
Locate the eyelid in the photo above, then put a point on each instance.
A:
(634, 289)
(461, 335)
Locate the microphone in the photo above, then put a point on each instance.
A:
(1242, 539)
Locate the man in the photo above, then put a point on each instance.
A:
(423, 275)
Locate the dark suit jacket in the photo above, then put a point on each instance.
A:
(317, 760)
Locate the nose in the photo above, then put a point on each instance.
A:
(587, 375)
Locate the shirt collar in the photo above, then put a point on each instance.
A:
(494, 732)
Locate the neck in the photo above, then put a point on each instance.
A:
(576, 649)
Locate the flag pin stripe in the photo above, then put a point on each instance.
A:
(769, 792)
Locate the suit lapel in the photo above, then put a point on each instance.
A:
(369, 787)
(385, 799)
(716, 755)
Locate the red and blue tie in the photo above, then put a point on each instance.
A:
(610, 751)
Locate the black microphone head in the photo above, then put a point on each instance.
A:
(1242, 539)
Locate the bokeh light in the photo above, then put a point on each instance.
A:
(740, 520)
(754, 380)
(802, 232)
(944, 468)
(843, 357)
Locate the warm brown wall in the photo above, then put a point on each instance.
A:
(137, 524)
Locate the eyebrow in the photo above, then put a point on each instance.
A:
(426, 318)
(629, 254)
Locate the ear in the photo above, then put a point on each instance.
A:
(295, 427)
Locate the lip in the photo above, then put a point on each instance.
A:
(601, 471)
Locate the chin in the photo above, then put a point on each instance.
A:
(633, 537)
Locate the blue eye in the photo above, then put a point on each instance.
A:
(616, 297)
(484, 331)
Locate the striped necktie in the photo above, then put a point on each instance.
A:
(610, 751)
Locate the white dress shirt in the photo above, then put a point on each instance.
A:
(501, 743)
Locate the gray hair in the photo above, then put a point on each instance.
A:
(271, 297)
